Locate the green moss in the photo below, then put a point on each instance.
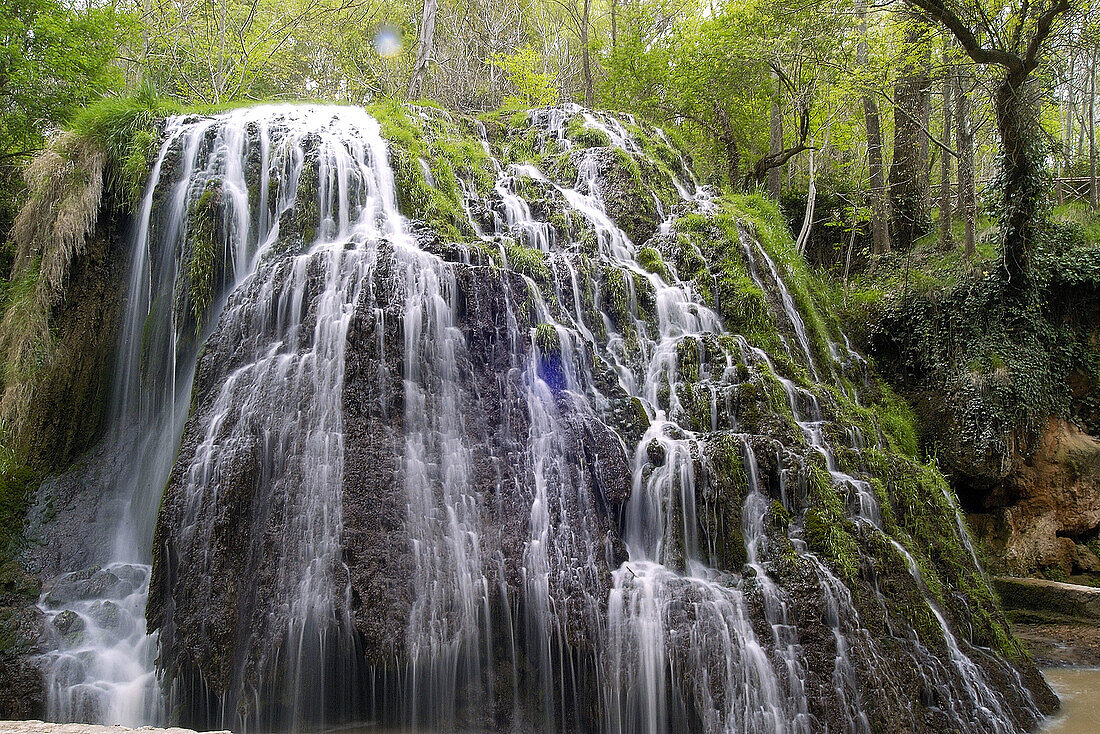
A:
(560, 168)
(529, 262)
(205, 236)
(719, 500)
(127, 128)
(687, 359)
(655, 148)
(724, 273)
(546, 338)
(650, 259)
(806, 289)
(826, 527)
(519, 119)
(17, 486)
(528, 145)
(617, 297)
(450, 152)
(306, 215)
(897, 421)
(584, 136)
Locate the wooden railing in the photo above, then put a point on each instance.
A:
(1065, 188)
(1074, 188)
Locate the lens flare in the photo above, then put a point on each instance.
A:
(387, 42)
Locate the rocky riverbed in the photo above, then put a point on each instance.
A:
(1058, 622)
(44, 727)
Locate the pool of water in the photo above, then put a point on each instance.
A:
(1079, 689)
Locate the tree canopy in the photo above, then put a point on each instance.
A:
(884, 110)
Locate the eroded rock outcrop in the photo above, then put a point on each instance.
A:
(1045, 514)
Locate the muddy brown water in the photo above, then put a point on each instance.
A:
(1079, 689)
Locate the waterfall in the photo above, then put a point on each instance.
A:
(101, 665)
(520, 482)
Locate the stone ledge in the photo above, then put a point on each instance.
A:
(1072, 600)
(44, 727)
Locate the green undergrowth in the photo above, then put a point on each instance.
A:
(584, 136)
(127, 128)
(445, 145)
(986, 367)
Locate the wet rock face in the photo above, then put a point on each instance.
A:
(533, 482)
(1043, 516)
(625, 196)
(69, 409)
(23, 692)
(218, 609)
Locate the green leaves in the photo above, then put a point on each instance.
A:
(52, 60)
(533, 88)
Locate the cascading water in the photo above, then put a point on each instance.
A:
(529, 482)
(101, 667)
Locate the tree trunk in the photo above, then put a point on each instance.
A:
(880, 204)
(614, 25)
(424, 49)
(946, 213)
(586, 58)
(733, 160)
(1094, 199)
(1017, 122)
(909, 169)
(808, 219)
(728, 140)
(775, 140)
(1069, 107)
(965, 145)
(925, 144)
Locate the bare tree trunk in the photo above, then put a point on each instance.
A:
(1082, 130)
(586, 58)
(909, 169)
(614, 24)
(1067, 121)
(946, 237)
(926, 163)
(808, 219)
(775, 140)
(880, 203)
(965, 146)
(424, 49)
(1093, 197)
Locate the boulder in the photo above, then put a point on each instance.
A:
(1034, 520)
(1049, 597)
